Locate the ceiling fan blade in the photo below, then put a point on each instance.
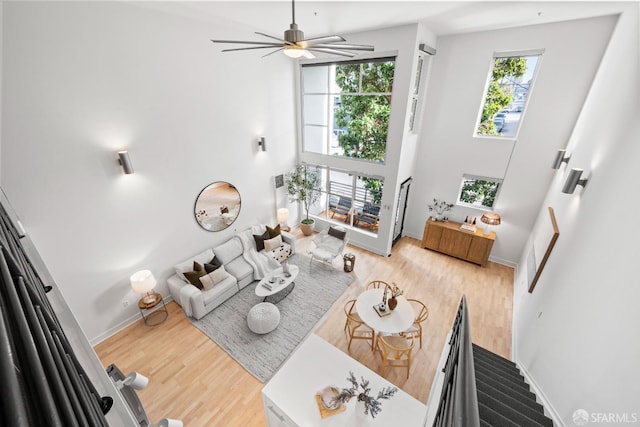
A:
(244, 42)
(253, 47)
(324, 39)
(275, 38)
(343, 46)
(271, 53)
(332, 51)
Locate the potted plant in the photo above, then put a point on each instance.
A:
(303, 186)
(440, 207)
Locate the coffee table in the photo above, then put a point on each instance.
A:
(281, 286)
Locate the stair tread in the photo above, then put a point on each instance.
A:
(491, 353)
(507, 387)
(496, 360)
(509, 376)
(513, 371)
(510, 413)
(527, 407)
(494, 418)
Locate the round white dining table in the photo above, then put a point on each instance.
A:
(398, 321)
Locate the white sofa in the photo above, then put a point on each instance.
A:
(234, 256)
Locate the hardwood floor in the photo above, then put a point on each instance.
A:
(192, 379)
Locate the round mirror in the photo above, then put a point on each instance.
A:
(217, 206)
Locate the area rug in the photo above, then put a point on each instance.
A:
(317, 287)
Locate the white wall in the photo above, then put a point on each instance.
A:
(576, 334)
(456, 88)
(85, 79)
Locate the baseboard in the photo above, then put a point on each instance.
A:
(120, 326)
(549, 410)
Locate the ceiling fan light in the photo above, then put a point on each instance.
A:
(293, 52)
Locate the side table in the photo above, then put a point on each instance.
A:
(349, 262)
(148, 302)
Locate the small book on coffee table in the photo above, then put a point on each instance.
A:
(381, 313)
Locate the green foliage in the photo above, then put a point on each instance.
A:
(303, 185)
(374, 187)
(440, 206)
(478, 191)
(365, 117)
(500, 93)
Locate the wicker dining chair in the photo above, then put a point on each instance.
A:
(422, 314)
(395, 351)
(355, 327)
(378, 284)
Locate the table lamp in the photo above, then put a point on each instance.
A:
(283, 216)
(490, 218)
(142, 282)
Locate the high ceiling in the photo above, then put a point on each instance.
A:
(342, 17)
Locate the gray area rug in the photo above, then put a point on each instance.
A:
(316, 289)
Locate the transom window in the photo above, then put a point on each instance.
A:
(510, 80)
(346, 106)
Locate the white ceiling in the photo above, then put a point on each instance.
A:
(317, 18)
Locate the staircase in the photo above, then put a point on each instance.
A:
(504, 399)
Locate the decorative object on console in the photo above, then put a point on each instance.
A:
(573, 181)
(440, 207)
(303, 186)
(142, 282)
(360, 390)
(217, 206)
(283, 217)
(490, 218)
(125, 161)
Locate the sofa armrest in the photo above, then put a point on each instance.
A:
(290, 239)
(187, 296)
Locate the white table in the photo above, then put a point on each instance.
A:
(289, 396)
(398, 321)
(281, 282)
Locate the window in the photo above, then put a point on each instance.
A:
(511, 77)
(346, 108)
(479, 192)
(348, 198)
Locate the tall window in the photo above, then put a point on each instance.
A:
(346, 107)
(511, 77)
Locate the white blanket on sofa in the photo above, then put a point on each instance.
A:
(260, 262)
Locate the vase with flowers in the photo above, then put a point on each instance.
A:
(361, 391)
(395, 293)
(440, 207)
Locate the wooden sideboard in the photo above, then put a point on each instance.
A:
(450, 239)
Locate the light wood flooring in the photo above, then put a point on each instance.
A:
(192, 379)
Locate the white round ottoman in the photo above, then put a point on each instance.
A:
(263, 318)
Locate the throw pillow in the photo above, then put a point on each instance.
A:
(216, 276)
(274, 243)
(212, 265)
(260, 240)
(273, 232)
(339, 234)
(194, 276)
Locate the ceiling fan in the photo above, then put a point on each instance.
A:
(294, 45)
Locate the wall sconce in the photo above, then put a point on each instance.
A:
(574, 180)
(560, 159)
(490, 218)
(262, 142)
(125, 162)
